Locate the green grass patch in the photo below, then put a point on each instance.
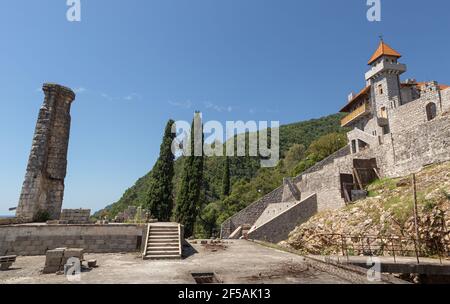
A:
(372, 193)
(384, 183)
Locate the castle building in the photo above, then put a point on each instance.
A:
(369, 112)
(395, 128)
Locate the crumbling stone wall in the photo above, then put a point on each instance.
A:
(36, 239)
(43, 188)
(75, 216)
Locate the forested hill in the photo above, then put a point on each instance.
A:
(245, 173)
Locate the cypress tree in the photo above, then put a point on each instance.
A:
(226, 178)
(159, 198)
(188, 199)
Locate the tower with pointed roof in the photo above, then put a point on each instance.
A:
(373, 112)
(384, 79)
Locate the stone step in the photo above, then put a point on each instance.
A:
(163, 237)
(164, 230)
(162, 242)
(163, 245)
(163, 252)
(162, 248)
(159, 244)
(163, 233)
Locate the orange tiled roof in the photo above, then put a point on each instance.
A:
(384, 50)
(419, 84)
(363, 92)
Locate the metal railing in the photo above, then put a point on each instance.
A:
(394, 246)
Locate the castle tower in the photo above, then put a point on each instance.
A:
(43, 188)
(384, 79)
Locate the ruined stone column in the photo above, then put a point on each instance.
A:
(43, 188)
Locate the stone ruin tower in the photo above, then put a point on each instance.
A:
(43, 188)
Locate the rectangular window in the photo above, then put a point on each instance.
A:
(380, 89)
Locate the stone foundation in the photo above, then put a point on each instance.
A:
(34, 239)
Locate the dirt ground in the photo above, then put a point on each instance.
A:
(236, 261)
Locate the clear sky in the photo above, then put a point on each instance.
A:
(136, 63)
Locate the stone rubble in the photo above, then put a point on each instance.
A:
(389, 213)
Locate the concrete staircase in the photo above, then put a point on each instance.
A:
(164, 241)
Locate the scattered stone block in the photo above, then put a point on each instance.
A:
(53, 260)
(6, 262)
(92, 263)
(56, 259)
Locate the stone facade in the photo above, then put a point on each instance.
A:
(43, 188)
(36, 239)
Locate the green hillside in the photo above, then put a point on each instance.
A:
(248, 181)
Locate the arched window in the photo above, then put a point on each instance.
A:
(431, 111)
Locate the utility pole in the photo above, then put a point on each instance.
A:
(416, 215)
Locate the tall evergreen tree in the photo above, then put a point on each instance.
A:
(226, 178)
(159, 198)
(188, 199)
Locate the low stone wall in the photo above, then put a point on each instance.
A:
(326, 197)
(30, 239)
(278, 228)
(250, 215)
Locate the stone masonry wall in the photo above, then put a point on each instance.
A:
(254, 211)
(417, 147)
(414, 113)
(43, 188)
(326, 185)
(75, 216)
(278, 228)
(250, 214)
(24, 240)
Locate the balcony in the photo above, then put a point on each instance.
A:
(356, 114)
(385, 66)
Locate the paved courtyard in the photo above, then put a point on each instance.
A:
(239, 262)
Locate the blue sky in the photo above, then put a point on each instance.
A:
(137, 63)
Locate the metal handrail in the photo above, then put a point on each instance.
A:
(395, 246)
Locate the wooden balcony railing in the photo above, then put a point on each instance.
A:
(362, 110)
